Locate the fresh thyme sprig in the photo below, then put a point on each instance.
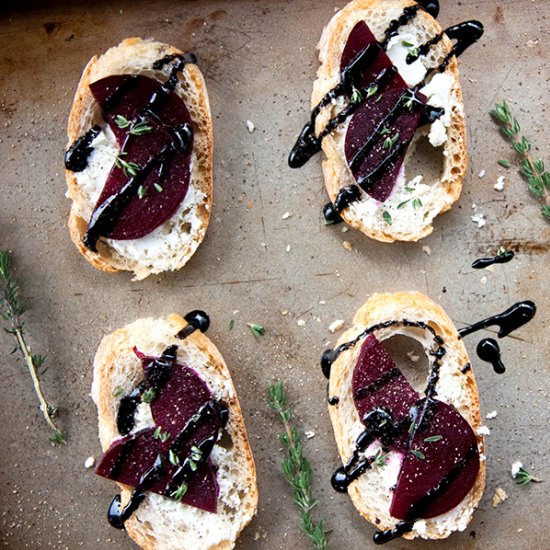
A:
(297, 470)
(12, 309)
(524, 477)
(131, 168)
(532, 169)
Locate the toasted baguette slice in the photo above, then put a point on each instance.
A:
(434, 172)
(371, 493)
(171, 245)
(160, 522)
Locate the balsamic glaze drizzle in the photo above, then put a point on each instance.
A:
(308, 143)
(76, 157)
(381, 537)
(507, 321)
(498, 259)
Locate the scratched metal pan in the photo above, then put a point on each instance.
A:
(259, 61)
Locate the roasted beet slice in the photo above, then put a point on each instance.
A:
(441, 465)
(179, 396)
(128, 458)
(164, 187)
(360, 37)
(441, 459)
(381, 129)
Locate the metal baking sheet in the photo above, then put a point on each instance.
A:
(259, 61)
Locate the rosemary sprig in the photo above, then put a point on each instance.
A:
(297, 470)
(532, 169)
(12, 309)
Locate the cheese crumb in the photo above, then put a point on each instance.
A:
(479, 219)
(483, 430)
(309, 435)
(516, 467)
(288, 248)
(491, 415)
(481, 174)
(337, 325)
(250, 126)
(90, 461)
(286, 215)
(300, 322)
(499, 185)
(427, 250)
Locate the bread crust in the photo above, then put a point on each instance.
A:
(118, 347)
(337, 174)
(131, 49)
(413, 306)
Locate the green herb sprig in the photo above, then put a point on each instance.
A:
(532, 169)
(256, 329)
(12, 309)
(297, 470)
(524, 477)
(131, 168)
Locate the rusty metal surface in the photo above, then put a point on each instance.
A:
(259, 60)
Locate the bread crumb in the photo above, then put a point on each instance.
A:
(336, 325)
(491, 415)
(322, 302)
(309, 435)
(288, 248)
(532, 43)
(483, 430)
(499, 497)
(300, 322)
(427, 250)
(478, 218)
(345, 229)
(284, 313)
(90, 461)
(499, 185)
(520, 530)
(481, 174)
(250, 126)
(286, 215)
(347, 245)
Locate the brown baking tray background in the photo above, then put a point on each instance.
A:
(259, 61)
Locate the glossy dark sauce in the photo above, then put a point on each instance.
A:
(197, 320)
(308, 143)
(382, 537)
(498, 259)
(488, 350)
(76, 157)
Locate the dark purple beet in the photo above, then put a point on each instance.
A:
(452, 463)
(141, 216)
(363, 124)
(375, 370)
(373, 110)
(427, 486)
(176, 402)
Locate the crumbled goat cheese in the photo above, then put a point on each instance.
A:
(479, 219)
(481, 174)
(499, 185)
(516, 467)
(491, 415)
(90, 461)
(483, 430)
(250, 126)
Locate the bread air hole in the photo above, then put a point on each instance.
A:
(425, 160)
(225, 441)
(409, 356)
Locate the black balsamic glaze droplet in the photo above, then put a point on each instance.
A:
(430, 6)
(339, 480)
(498, 259)
(114, 513)
(382, 537)
(489, 350)
(331, 215)
(76, 158)
(334, 400)
(327, 358)
(199, 319)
